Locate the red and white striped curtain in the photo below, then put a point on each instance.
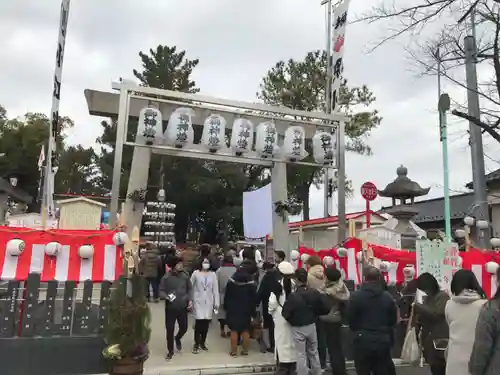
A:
(474, 260)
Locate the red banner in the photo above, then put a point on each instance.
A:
(474, 260)
(67, 265)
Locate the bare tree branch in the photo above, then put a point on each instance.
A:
(486, 127)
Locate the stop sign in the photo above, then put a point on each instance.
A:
(369, 191)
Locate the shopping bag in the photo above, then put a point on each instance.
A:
(410, 352)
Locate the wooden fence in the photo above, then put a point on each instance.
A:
(59, 325)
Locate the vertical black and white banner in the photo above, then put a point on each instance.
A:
(52, 159)
(338, 38)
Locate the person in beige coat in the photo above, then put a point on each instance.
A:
(316, 273)
(461, 312)
(316, 279)
(338, 293)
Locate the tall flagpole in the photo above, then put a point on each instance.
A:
(337, 23)
(328, 99)
(51, 159)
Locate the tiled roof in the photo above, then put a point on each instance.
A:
(433, 209)
(490, 177)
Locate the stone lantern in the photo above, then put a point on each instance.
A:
(404, 190)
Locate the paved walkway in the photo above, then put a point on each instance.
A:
(217, 356)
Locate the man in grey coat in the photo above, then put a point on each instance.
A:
(176, 290)
(224, 273)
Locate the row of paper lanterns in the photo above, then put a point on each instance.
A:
(156, 204)
(16, 246)
(384, 266)
(159, 215)
(180, 133)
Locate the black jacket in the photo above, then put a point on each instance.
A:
(239, 301)
(304, 306)
(372, 312)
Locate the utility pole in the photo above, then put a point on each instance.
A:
(328, 179)
(476, 137)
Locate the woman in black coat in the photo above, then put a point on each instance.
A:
(268, 282)
(240, 305)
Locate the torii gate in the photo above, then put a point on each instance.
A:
(132, 99)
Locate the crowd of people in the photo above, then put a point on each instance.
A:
(303, 310)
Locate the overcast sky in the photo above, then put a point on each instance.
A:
(236, 42)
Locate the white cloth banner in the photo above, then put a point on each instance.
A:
(258, 212)
(339, 28)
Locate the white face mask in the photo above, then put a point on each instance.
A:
(205, 266)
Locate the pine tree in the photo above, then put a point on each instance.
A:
(128, 329)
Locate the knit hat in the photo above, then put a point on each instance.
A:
(286, 268)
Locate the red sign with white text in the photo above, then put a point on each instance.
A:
(369, 191)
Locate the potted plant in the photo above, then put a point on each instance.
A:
(128, 328)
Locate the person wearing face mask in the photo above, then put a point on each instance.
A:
(206, 302)
(175, 289)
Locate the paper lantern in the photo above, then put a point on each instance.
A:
(180, 128)
(495, 242)
(242, 136)
(469, 221)
(214, 132)
(294, 255)
(359, 256)
(482, 224)
(328, 261)
(150, 128)
(409, 271)
(304, 257)
(119, 238)
(384, 266)
(86, 251)
(324, 148)
(460, 233)
(52, 249)
(266, 144)
(294, 144)
(341, 252)
(15, 247)
(491, 267)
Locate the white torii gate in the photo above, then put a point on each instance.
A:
(131, 99)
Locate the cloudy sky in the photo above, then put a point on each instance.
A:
(236, 42)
